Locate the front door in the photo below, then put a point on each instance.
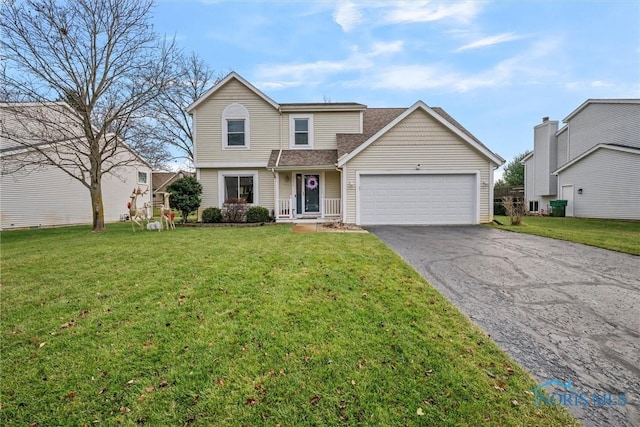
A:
(307, 194)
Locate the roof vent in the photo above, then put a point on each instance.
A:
(545, 119)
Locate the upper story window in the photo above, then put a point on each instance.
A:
(301, 131)
(235, 127)
(235, 133)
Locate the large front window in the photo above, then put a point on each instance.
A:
(235, 133)
(238, 187)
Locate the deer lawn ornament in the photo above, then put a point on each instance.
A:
(137, 215)
(165, 213)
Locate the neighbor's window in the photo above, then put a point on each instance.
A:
(142, 177)
(238, 187)
(235, 133)
(533, 206)
(301, 131)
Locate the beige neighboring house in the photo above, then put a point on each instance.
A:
(44, 196)
(161, 180)
(592, 162)
(339, 161)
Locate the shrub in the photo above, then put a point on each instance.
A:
(186, 195)
(234, 210)
(498, 208)
(210, 215)
(514, 208)
(258, 214)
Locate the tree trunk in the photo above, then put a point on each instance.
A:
(97, 208)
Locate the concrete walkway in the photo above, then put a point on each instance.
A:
(562, 310)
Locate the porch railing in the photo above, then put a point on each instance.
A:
(286, 208)
(332, 207)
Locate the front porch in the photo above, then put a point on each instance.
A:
(312, 196)
(307, 185)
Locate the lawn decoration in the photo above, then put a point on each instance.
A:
(155, 225)
(137, 215)
(165, 213)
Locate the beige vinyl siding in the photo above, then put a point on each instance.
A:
(604, 123)
(419, 139)
(332, 185)
(209, 180)
(286, 187)
(264, 126)
(267, 189)
(613, 192)
(49, 197)
(325, 128)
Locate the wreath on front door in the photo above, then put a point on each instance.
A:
(312, 182)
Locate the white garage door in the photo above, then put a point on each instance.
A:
(417, 199)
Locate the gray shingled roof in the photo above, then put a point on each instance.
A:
(373, 120)
(290, 158)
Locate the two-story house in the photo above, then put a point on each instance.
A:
(339, 161)
(592, 162)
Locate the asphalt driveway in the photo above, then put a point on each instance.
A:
(562, 310)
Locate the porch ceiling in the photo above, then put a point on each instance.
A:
(313, 159)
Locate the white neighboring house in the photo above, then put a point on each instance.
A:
(593, 161)
(42, 196)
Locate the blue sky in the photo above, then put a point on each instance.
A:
(497, 67)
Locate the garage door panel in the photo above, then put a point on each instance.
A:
(417, 199)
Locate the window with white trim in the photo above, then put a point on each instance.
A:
(142, 177)
(238, 187)
(301, 131)
(235, 127)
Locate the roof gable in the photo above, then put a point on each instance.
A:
(613, 147)
(599, 101)
(232, 76)
(439, 115)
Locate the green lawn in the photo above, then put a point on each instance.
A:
(240, 326)
(615, 235)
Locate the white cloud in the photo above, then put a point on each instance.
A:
(528, 67)
(427, 11)
(489, 41)
(282, 76)
(348, 16)
(383, 48)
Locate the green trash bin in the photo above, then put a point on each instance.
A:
(558, 207)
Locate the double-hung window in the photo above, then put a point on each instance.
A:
(301, 131)
(235, 133)
(235, 127)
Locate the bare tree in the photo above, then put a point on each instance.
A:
(172, 124)
(104, 59)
